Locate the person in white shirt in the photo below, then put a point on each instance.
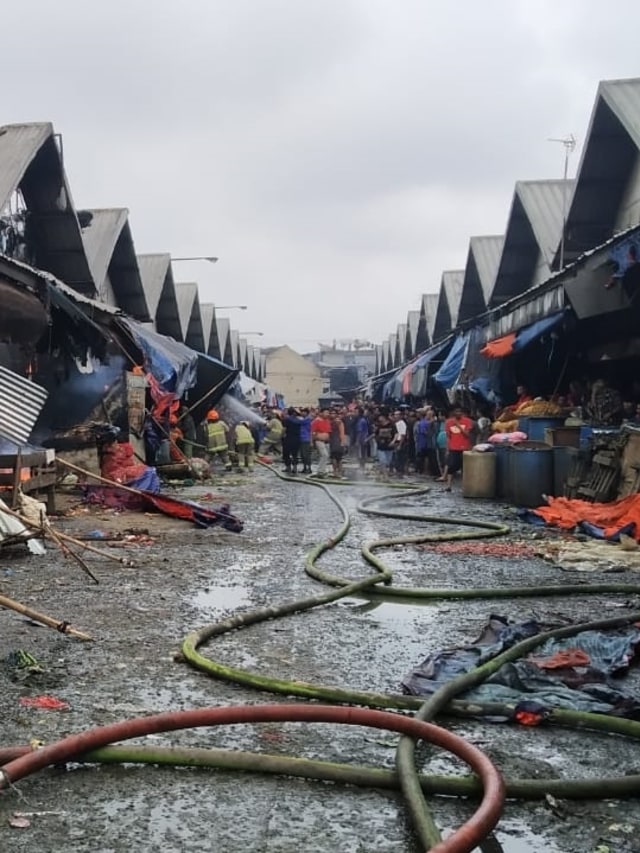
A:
(399, 444)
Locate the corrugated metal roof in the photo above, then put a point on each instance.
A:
(186, 294)
(413, 321)
(544, 203)
(385, 356)
(233, 340)
(430, 309)
(242, 352)
(19, 144)
(22, 402)
(153, 272)
(49, 202)
(207, 311)
(486, 254)
(100, 238)
(223, 328)
(393, 347)
(452, 282)
(623, 97)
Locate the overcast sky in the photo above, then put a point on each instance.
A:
(336, 154)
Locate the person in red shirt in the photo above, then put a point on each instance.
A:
(320, 435)
(459, 429)
(523, 396)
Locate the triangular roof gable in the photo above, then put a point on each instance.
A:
(534, 230)
(608, 159)
(153, 272)
(393, 350)
(167, 313)
(413, 321)
(31, 161)
(206, 317)
(429, 308)
(385, 357)
(448, 303)
(223, 328)
(483, 259)
(486, 254)
(110, 251)
(100, 236)
(186, 293)
(195, 333)
(233, 346)
(401, 343)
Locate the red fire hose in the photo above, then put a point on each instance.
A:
(464, 840)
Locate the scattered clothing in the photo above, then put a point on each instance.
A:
(574, 673)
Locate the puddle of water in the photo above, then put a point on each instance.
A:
(516, 837)
(513, 836)
(219, 598)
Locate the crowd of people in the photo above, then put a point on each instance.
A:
(390, 442)
(385, 440)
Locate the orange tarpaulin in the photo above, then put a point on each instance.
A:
(567, 513)
(499, 347)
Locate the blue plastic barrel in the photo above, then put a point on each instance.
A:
(562, 461)
(537, 426)
(530, 473)
(502, 452)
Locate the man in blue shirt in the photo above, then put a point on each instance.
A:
(305, 440)
(362, 434)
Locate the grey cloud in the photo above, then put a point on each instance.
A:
(336, 154)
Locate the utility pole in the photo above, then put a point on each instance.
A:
(569, 143)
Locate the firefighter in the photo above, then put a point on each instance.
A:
(217, 440)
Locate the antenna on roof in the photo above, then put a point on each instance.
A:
(569, 143)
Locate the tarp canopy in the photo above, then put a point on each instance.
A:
(430, 354)
(448, 374)
(173, 364)
(516, 341)
(213, 380)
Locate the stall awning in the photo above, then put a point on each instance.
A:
(448, 374)
(516, 341)
(430, 354)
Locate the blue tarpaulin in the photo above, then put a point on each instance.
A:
(173, 364)
(449, 372)
(430, 354)
(536, 330)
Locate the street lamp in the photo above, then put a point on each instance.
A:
(229, 307)
(259, 334)
(209, 258)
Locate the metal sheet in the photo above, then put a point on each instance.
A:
(22, 402)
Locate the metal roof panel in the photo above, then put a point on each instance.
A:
(22, 402)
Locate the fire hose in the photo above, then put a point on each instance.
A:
(92, 746)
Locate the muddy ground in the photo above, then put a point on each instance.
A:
(186, 578)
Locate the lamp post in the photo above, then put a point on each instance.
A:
(258, 334)
(229, 307)
(569, 143)
(209, 258)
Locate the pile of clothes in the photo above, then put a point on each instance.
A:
(576, 673)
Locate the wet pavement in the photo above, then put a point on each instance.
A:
(187, 578)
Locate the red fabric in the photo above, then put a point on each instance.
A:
(563, 659)
(567, 513)
(320, 425)
(406, 382)
(499, 347)
(46, 703)
(118, 463)
(457, 440)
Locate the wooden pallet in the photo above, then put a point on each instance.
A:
(603, 478)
